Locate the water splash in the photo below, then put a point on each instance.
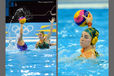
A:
(21, 12)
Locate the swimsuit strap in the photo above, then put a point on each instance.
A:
(97, 54)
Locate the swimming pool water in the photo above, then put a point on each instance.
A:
(69, 44)
(33, 62)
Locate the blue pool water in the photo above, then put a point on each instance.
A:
(69, 44)
(33, 62)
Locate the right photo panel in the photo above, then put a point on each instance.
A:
(83, 38)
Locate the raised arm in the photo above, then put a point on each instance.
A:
(21, 29)
(21, 32)
(22, 20)
(51, 29)
(89, 19)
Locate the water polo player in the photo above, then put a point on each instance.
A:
(88, 40)
(44, 41)
(21, 44)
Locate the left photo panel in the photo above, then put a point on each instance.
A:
(30, 38)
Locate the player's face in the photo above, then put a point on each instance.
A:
(85, 40)
(40, 35)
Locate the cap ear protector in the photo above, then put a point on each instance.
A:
(95, 39)
(94, 34)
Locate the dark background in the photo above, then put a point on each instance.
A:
(38, 9)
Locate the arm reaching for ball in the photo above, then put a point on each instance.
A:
(89, 19)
